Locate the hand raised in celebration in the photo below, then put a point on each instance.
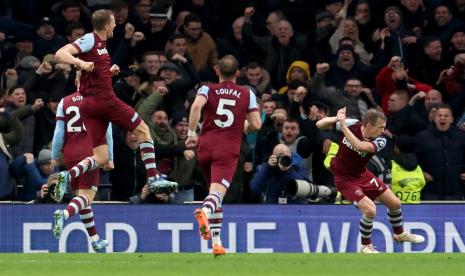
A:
(341, 116)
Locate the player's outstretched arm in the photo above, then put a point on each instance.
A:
(327, 123)
(66, 54)
(253, 123)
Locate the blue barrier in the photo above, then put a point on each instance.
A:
(246, 228)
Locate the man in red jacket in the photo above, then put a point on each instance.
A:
(394, 77)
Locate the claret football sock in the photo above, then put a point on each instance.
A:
(148, 156)
(366, 226)
(395, 218)
(212, 202)
(87, 217)
(85, 165)
(77, 204)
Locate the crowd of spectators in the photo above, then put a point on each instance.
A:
(303, 59)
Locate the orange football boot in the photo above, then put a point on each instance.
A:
(218, 250)
(202, 220)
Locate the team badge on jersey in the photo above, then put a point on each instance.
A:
(380, 143)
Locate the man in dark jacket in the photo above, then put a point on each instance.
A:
(129, 175)
(441, 151)
(278, 50)
(233, 44)
(402, 118)
(45, 123)
(7, 140)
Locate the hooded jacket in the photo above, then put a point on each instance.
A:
(296, 64)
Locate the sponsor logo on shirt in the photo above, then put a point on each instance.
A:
(102, 51)
(347, 143)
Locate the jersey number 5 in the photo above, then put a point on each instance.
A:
(222, 110)
(71, 125)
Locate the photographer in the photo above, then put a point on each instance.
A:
(44, 193)
(268, 135)
(148, 195)
(36, 172)
(273, 176)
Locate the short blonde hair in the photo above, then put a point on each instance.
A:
(100, 18)
(372, 116)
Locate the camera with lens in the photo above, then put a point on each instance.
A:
(51, 187)
(284, 160)
(303, 188)
(162, 189)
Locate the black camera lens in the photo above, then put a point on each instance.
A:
(284, 160)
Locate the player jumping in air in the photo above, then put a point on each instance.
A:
(361, 140)
(101, 106)
(229, 109)
(71, 138)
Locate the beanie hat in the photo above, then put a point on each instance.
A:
(28, 62)
(45, 157)
(179, 117)
(345, 47)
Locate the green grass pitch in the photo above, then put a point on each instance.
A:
(231, 264)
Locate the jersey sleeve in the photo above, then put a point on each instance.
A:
(253, 106)
(85, 43)
(60, 112)
(379, 143)
(109, 136)
(58, 138)
(203, 91)
(349, 122)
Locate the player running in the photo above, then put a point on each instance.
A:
(361, 140)
(226, 108)
(101, 106)
(70, 137)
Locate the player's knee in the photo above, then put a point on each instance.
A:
(142, 131)
(368, 210)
